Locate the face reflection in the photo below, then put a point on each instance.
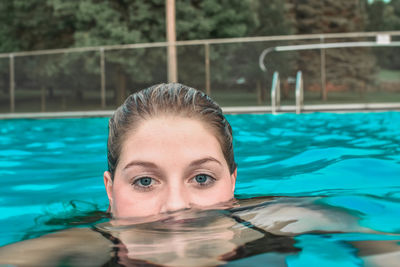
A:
(187, 245)
(168, 164)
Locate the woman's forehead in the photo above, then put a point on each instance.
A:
(171, 136)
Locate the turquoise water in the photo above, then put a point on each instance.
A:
(51, 172)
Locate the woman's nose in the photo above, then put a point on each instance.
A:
(177, 199)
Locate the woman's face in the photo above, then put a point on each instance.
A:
(167, 164)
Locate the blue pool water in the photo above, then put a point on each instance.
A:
(51, 173)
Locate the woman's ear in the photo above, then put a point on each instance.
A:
(108, 183)
(233, 179)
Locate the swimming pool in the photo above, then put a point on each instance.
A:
(51, 173)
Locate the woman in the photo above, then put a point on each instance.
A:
(170, 151)
(169, 148)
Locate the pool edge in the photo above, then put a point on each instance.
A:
(337, 108)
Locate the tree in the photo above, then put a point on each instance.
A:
(8, 40)
(384, 16)
(31, 25)
(350, 68)
(210, 19)
(131, 21)
(106, 22)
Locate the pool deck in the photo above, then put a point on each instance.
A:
(335, 108)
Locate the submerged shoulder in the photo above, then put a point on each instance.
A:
(71, 245)
(291, 216)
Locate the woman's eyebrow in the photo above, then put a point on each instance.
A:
(145, 164)
(204, 160)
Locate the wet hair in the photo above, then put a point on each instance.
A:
(167, 99)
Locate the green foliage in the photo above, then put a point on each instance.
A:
(35, 26)
(232, 65)
(352, 68)
(385, 17)
(271, 18)
(8, 42)
(47, 24)
(106, 22)
(211, 19)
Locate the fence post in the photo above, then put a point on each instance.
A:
(207, 68)
(259, 92)
(171, 39)
(12, 84)
(43, 99)
(324, 93)
(103, 78)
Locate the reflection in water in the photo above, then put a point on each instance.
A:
(277, 227)
(191, 238)
(281, 231)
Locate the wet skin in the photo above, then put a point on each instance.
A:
(166, 164)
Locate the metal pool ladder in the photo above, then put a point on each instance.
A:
(276, 93)
(382, 40)
(299, 92)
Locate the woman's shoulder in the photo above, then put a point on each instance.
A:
(292, 216)
(72, 246)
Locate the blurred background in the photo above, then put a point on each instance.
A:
(90, 54)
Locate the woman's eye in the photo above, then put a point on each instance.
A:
(204, 180)
(144, 183)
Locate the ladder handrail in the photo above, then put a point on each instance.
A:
(320, 46)
(299, 92)
(275, 93)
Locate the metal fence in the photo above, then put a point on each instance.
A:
(99, 78)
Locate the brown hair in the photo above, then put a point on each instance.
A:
(173, 99)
